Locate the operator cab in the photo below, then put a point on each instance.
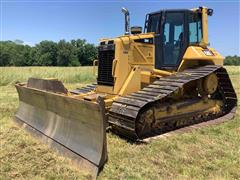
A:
(174, 31)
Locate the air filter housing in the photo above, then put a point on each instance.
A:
(136, 29)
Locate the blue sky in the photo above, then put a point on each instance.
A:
(34, 21)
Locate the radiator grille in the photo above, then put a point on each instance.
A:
(105, 58)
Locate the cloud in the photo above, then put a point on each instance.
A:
(29, 43)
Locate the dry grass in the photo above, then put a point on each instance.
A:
(9, 75)
(212, 152)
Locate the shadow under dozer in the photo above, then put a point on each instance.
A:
(76, 126)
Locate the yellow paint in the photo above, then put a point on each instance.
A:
(196, 53)
(204, 43)
(104, 89)
(212, 106)
(162, 72)
(94, 66)
(194, 56)
(128, 54)
(146, 77)
(133, 82)
(140, 52)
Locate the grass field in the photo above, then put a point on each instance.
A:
(211, 152)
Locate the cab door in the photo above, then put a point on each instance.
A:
(170, 42)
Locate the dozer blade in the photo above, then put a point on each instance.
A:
(78, 125)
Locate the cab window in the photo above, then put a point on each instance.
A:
(153, 23)
(195, 28)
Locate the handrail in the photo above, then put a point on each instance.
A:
(94, 65)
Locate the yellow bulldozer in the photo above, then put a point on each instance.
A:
(149, 81)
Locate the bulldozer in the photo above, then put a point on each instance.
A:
(150, 80)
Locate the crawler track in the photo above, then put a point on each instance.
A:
(125, 111)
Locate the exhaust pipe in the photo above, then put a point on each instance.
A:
(127, 21)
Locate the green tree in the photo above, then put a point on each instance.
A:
(16, 54)
(46, 53)
(5, 54)
(232, 60)
(67, 54)
(13, 54)
(90, 53)
(86, 52)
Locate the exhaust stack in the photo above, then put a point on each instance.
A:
(127, 21)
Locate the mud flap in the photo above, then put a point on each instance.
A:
(78, 125)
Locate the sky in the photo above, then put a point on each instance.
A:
(34, 21)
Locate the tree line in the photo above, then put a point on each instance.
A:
(63, 53)
(232, 60)
(47, 53)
